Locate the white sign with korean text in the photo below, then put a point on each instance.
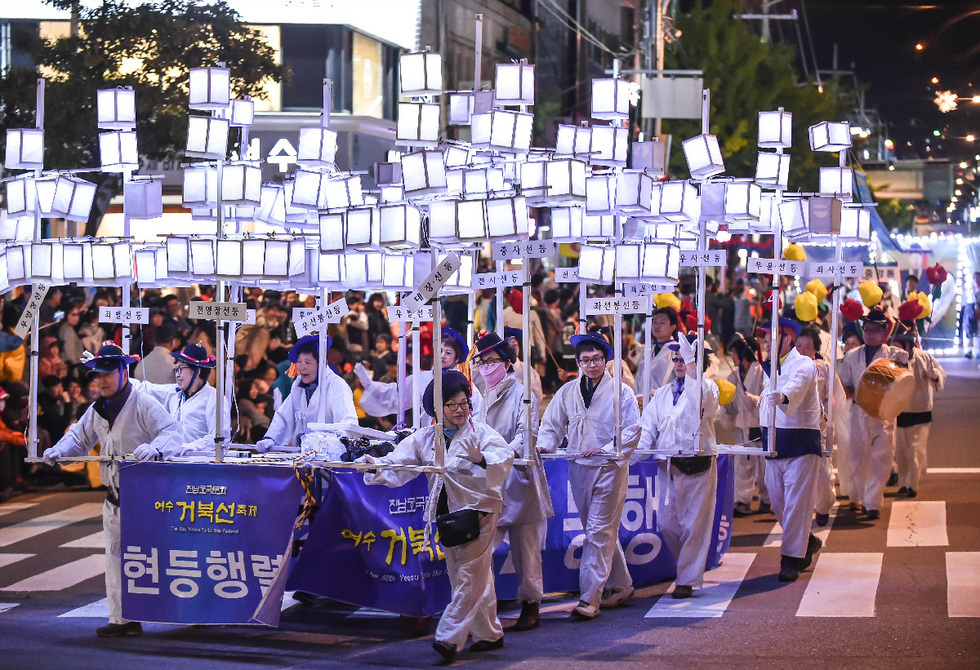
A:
(695, 259)
(314, 320)
(218, 311)
(640, 305)
(436, 280)
(830, 269)
(30, 312)
(877, 274)
(124, 314)
(566, 275)
(505, 251)
(636, 289)
(768, 266)
(498, 279)
(399, 314)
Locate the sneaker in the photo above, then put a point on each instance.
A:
(873, 514)
(487, 645)
(912, 493)
(764, 508)
(682, 591)
(814, 544)
(903, 490)
(892, 479)
(822, 519)
(616, 598)
(742, 509)
(120, 629)
(529, 618)
(788, 574)
(445, 649)
(585, 610)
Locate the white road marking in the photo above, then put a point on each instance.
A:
(42, 524)
(953, 471)
(9, 507)
(93, 541)
(4, 607)
(842, 585)
(97, 610)
(775, 536)
(918, 524)
(963, 583)
(711, 601)
(7, 559)
(63, 576)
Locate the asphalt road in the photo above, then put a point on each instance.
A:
(901, 592)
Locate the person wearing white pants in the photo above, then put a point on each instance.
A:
(124, 422)
(583, 411)
(687, 480)
(912, 425)
(792, 471)
(742, 414)
(872, 446)
(527, 500)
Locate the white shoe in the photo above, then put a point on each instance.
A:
(585, 610)
(617, 597)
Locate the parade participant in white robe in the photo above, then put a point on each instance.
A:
(514, 337)
(687, 484)
(742, 414)
(808, 344)
(192, 401)
(301, 407)
(527, 500)
(381, 399)
(872, 446)
(664, 326)
(478, 462)
(582, 411)
(125, 423)
(791, 474)
(912, 425)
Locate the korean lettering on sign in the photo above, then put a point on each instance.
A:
(399, 542)
(566, 275)
(639, 305)
(877, 274)
(831, 269)
(314, 320)
(505, 251)
(431, 284)
(399, 314)
(770, 266)
(638, 289)
(226, 571)
(498, 279)
(27, 317)
(694, 259)
(124, 314)
(215, 311)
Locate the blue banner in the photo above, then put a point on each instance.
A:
(367, 547)
(205, 543)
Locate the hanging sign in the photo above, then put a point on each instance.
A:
(124, 314)
(30, 312)
(436, 280)
(505, 251)
(696, 259)
(218, 311)
(399, 314)
(314, 319)
(639, 305)
(566, 275)
(498, 279)
(637, 289)
(769, 266)
(831, 269)
(877, 274)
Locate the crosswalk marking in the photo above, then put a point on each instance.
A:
(842, 585)
(953, 471)
(63, 576)
(97, 610)
(918, 523)
(42, 524)
(720, 586)
(775, 537)
(93, 541)
(963, 583)
(7, 559)
(4, 607)
(10, 507)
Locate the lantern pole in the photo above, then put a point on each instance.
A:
(437, 399)
(702, 276)
(35, 325)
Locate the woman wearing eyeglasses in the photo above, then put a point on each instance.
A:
(527, 500)
(478, 462)
(686, 484)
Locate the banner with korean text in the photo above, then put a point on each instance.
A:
(367, 547)
(205, 543)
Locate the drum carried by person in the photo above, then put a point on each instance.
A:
(885, 389)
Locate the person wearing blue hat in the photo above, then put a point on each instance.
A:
(872, 441)
(583, 412)
(792, 472)
(527, 500)
(125, 423)
(478, 462)
(301, 407)
(193, 401)
(381, 399)
(687, 479)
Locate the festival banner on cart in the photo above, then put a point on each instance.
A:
(205, 543)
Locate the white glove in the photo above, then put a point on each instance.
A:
(367, 458)
(686, 351)
(146, 452)
(469, 449)
(773, 398)
(50, 455)
(363, 374)
(264, 445)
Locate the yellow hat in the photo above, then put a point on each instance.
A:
(870, 293)
(923, 299)
(817, 288)
(667, 300)
(726, 391)
(794, 252)
(805, 306)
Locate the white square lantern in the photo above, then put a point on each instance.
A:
(397, 271)
(514, 84)
(46, 188)
(253, 257)
(610, 99)
(502, 130)
(772, 170)
(442, 221)
(424, 173)
(776, 130)
(200, 186)
(401, 227)
(18, 264)
(455, 156)
(331, 228)
(122, 255)
(329, 269)
(596, 264)
(317, 147)
(73, 198)
(210, 88)
(343, 193)
(143, 199)
(103, 264)
(41, 254)
(25, 149)
(533, 183)
(703, 156)
(650, 192)
(507, 218)
(277, 258)
(649, 156)
(565, 180)
(855, 224)
(178, 257)
(228, 259)
(207, 137)
(824, 215)
(678, 202)
(362, 227)
(73, 262)
(202, 258)
(308, 190)
(418, 124)
(713, 199)
(793, 217)
(420, 74)
(566, 224)
(661, 263)
(471, 220)
(116, 108)
(599, 226)
(837, 181)
(242, 113)
(21, 197)
(600, 194)
(150, 261)
(743, 200)
(480, 181)
(628, 193)
(830, 136)
(460, 108)
(241, 185)
(609, 145)
(629, 261)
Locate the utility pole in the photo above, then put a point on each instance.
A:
(766, 17)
